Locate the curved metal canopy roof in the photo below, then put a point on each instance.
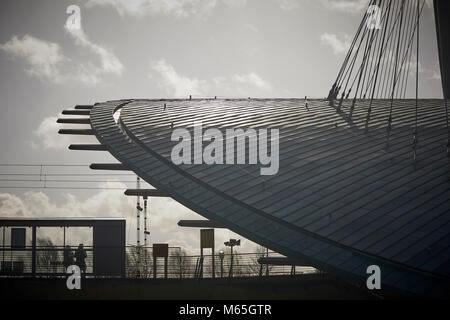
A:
(340, 201)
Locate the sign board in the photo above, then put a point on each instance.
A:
(109, 249)
(18, 238)
(160, 250)
(207, 238)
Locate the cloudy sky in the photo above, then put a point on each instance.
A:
(156, 49)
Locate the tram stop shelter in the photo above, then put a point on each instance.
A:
(106, 256)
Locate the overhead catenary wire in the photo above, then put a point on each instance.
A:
(67, 174)
(41, 165)
(67, 181)
(61, 188)
(43, 169)
(44, 174)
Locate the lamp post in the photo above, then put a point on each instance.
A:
(231, 244)
(221, 256)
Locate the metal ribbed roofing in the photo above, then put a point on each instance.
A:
(340, 200)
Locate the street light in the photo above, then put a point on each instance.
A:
(231, 244)
(221, 256)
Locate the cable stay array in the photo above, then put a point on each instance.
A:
(383, 64)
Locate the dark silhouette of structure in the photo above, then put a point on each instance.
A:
(363, 182)
(108, 251)
(441, 13)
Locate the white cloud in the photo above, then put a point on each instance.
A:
(174, 83)
(180, 86)
(349, 6)
(338, 45)
(163, 213)
(288, 5)
(32, 204)
(235, 3)
(253, 28)
(48, 138)
(46, 61)
(176, 8)
(43, 58)
(12, 206)
(346, 6)
(90, 73)
(252, 79)
(354, 7)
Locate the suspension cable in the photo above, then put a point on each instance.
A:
(416, 133)
(334, 89)
(389, 127)
(369, 111)
(405, 51)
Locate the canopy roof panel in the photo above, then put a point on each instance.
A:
(343, 198)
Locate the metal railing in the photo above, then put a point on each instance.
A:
(49, 261)
(139, 264)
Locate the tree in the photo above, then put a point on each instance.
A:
(132, 262)
(48, 260)
(181, 264)
(254, 266)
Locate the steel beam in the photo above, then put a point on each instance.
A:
(200, 224)
(109, 166)
(77, 112)
(74, 120)
(82, 132)
(282, 261)
(83, 107)
(147, 193)
(88, 147)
